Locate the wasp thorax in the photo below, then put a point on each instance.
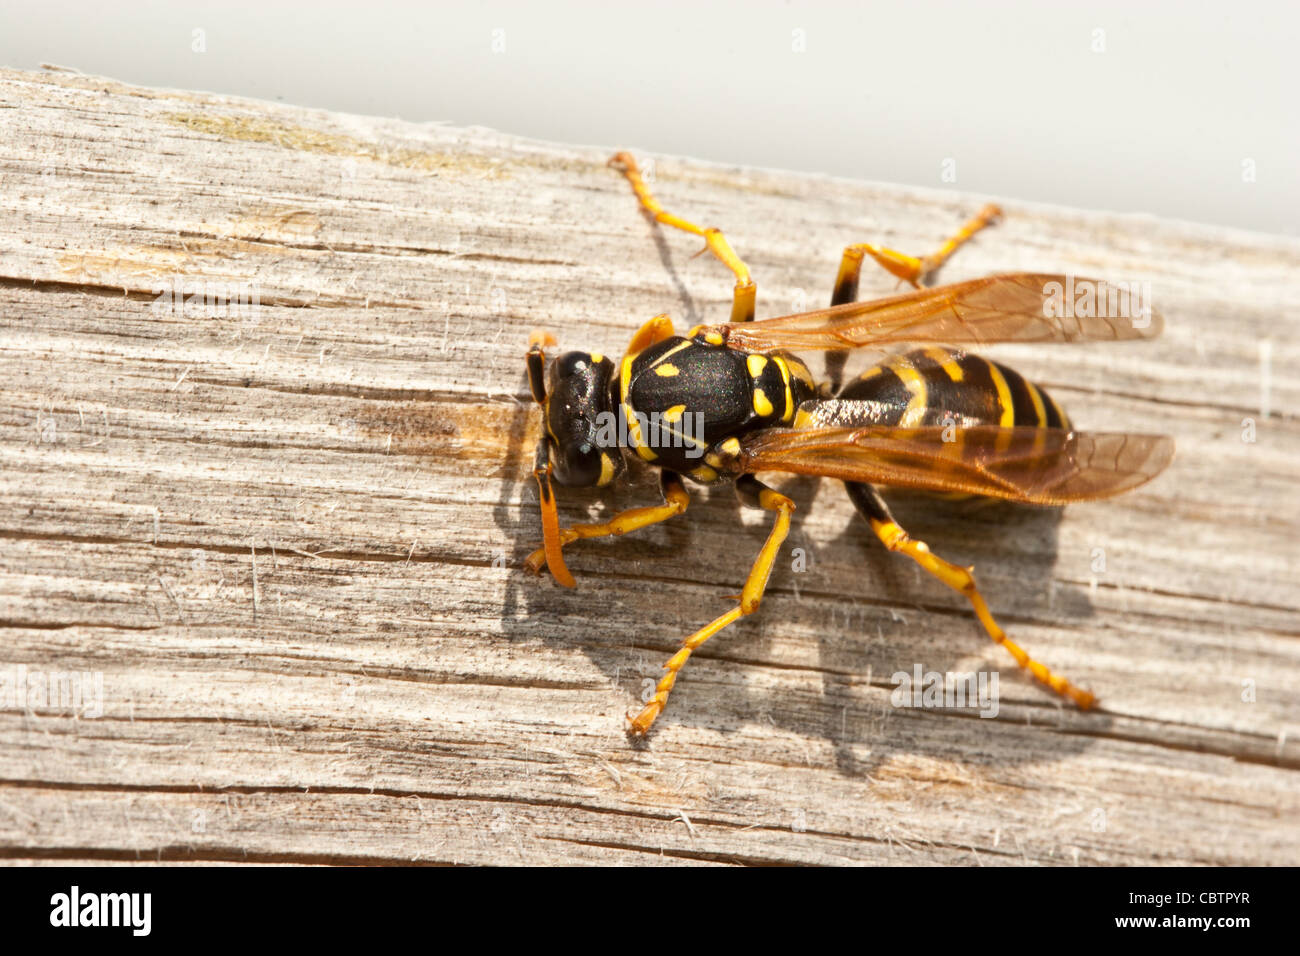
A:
(578, 394)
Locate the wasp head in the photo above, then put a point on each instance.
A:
(576, 410)
(574, 394)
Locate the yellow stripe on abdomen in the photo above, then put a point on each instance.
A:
(946, 360)
(914, 414)
(1006, 408)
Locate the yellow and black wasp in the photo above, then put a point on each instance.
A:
(935, 418)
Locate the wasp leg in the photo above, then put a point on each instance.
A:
(756, 495)
(656, 330)
(675, 502)
(742, 304)
(550, 551)
(869, 504)
(908, 268)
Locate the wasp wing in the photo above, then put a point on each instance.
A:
(1045, 466)
(1016, 307)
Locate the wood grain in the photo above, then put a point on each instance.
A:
(288, 540)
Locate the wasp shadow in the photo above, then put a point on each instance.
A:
(1014, 550)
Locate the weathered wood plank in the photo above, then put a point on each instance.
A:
(289, 540)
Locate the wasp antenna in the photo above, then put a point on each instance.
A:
(536, 358)
(541, 339)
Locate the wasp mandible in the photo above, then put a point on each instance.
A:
(934, 417)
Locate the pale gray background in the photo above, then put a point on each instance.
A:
(1162, 121)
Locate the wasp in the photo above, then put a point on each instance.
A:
(931, 416)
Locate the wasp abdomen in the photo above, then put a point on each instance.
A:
(936, 387)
